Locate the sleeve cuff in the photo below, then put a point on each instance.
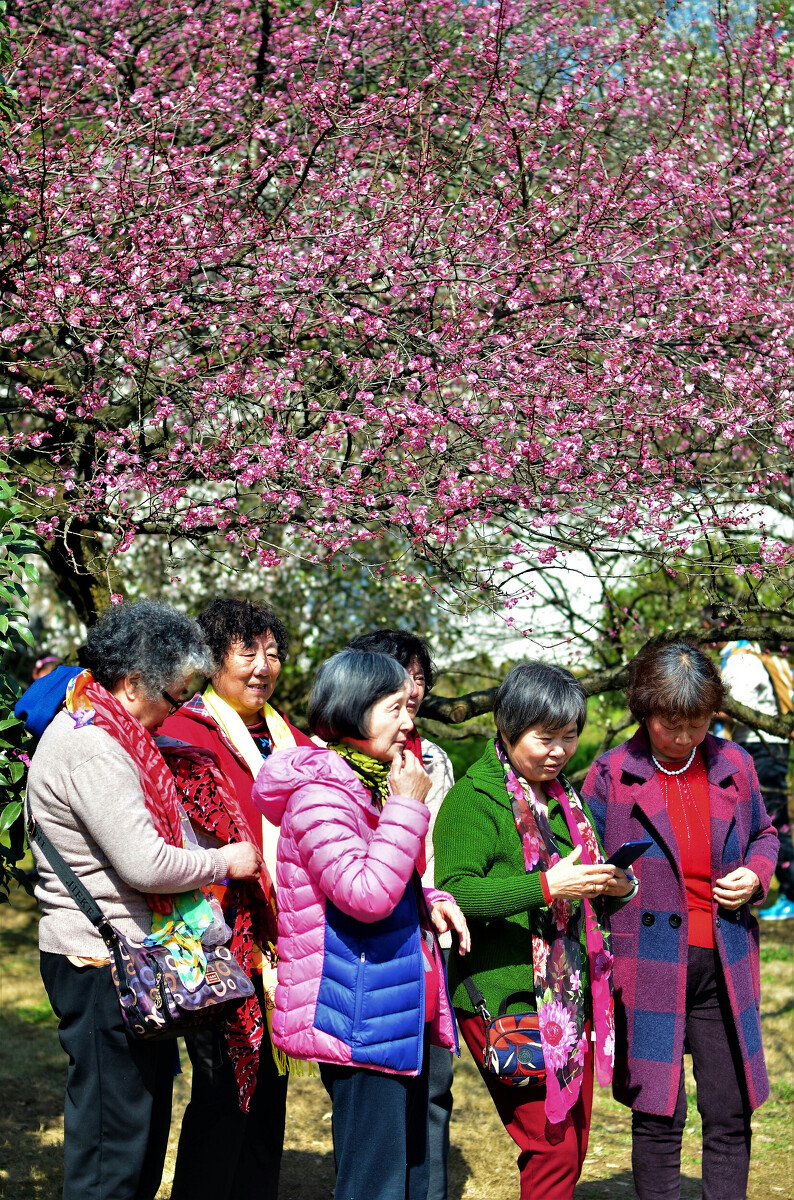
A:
(545, 887)
(219, 866)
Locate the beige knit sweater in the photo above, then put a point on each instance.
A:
(85, 792)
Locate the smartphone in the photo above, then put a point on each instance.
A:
(625, 855)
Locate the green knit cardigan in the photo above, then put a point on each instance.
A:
(480, 860)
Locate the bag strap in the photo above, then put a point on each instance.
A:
(514, 998)
(477, 998)
(81, 896)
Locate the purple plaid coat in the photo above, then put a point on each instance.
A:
(649, 936)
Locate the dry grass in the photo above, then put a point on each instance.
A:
(482, 1163)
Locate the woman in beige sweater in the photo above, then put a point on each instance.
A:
(102, 793)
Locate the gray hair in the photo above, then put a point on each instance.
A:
(150, 640)
(537, 694)
(345, 690)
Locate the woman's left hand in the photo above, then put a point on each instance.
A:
(620, 884)
(735, 889)
(446, 915)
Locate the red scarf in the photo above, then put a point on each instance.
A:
(249, 907)
(89, 703)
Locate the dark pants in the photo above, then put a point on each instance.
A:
(771, 766)
(721, 1099)
(379, 1126)
(117, 1110)
(550, 1157)
(246, 1147)
(439, 1113)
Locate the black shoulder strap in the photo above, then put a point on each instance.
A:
(476, 997)
(82, 898)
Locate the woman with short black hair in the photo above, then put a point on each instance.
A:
(101, 792)
(413, 653)
(360, 975)
(686, 956)
(517, 849)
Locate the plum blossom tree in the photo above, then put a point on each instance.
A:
(499, 282)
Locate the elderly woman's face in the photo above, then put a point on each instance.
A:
(150, 713)
(540, 754)
(390, 723)
(248, 676)
(673, 739)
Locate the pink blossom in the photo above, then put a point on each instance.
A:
(540, 954)
(557, 1032)
(602, 964)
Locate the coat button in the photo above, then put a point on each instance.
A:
(718, 922)
(648, 918)
(675, 920)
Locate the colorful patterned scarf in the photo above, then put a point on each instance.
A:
(557, 951)
(249, 908)
(88, 703)
(236, 731)
(373, 773)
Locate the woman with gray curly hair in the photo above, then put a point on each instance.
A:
(102, 793)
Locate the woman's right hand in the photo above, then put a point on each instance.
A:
(243, 860)
(569, 879)
(408, 777)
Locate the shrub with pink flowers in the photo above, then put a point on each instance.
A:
(502, 281)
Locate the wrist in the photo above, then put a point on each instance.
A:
(544, 885)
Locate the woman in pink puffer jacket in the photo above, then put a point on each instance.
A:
(361, 982)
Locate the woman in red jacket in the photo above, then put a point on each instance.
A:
(219, 740)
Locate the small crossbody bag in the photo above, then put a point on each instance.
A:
(513, 1052)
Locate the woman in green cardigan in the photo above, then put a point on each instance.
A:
(517, 849)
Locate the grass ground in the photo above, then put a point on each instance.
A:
(482, 1163)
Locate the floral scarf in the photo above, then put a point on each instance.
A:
(88, 703)
(557, 952)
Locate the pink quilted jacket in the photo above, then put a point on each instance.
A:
(334, 845)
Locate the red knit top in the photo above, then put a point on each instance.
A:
(687, 800)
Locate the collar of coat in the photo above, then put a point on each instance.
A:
(487, 775)
(723, 761)
(637, 759)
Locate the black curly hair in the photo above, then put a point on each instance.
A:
(399, 644)
(227, 620)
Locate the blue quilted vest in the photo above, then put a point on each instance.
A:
(372, 991)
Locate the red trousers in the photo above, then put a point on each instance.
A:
(550, 1157)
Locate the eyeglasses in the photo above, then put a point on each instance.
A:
(174, 704)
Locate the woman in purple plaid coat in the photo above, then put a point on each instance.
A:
(686, 968)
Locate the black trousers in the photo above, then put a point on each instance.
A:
(439, 1111)
(117, 1110)
(721, 1099)
(247, 1147)
(379, 1125)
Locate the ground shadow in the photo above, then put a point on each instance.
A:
(459, 1173)
(621, 1184)
(32, 1081)
(306, 1175)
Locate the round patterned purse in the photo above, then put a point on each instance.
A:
(513, 1051)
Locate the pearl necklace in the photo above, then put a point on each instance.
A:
(680, 770)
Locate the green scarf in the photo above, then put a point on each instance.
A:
(373, 773)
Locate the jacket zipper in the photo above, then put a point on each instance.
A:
(359, 992)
